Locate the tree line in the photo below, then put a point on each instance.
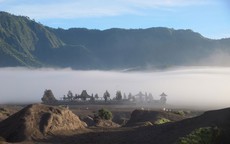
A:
(84, 96)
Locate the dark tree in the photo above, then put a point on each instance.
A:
(150, 97)
(75, 97)
(70, 95)
(48, 97)
(118, 95)
(106, 95)
(146, 97)
(130, 96)
(141, 96)
(92, 98)
(125, 97)
(96, 96)
(64, 98)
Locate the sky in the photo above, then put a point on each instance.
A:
(211, 18)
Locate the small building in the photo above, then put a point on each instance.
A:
(84, 96)
(163, 98)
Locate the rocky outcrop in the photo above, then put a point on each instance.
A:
(105, 123)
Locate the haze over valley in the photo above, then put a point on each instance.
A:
(191, 87)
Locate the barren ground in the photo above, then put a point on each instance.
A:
(103, 135)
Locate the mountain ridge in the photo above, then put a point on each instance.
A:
(24, 42)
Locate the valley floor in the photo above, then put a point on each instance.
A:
(141, 132)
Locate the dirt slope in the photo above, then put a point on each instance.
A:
(38, 120)
(170, 132)
(157, 134)
(142, 116)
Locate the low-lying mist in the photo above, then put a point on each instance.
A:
(198, 87)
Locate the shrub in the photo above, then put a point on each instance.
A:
(180, 112)
(105, 114)
(206, 135)
(161, 121)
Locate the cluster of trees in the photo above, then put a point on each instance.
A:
(84, 96)
(120, 97)
(48, 97)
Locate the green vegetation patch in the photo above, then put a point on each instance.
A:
(4, 112)
(105, 114)
(205, 135)
(161, 121)
(180, 112)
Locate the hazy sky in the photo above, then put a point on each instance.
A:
(211, 18)
(199, 87)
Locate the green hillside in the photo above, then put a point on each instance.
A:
(20, 37)
(24, 42)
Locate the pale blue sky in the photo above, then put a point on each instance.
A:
(211, 18)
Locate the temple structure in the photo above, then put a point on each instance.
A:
(163, 98)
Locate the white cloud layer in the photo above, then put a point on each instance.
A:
(202, 87)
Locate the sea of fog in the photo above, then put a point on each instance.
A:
(198, 87)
